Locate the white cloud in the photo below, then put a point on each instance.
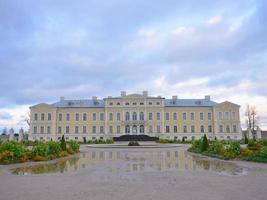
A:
(214, 20)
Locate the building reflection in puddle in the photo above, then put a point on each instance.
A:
(134, 161)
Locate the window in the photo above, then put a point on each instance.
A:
(220, 115)
(84, 116)
(110, 117)
(118, 104)
(118, 129)
(110, 103)
(127, 129)
(94, 129)
(227, 129)
(167, 115)
(35, 116)
(48, 129)
(101, 129)
(49, 117)
(234, 129)
(141, 103)
(134, 116)
(150, 103)
(42, 116)
(150, 116)
(233, 115)
(35, 129)
(158, 103)
(185, 129)
(134, 129)
(67, 117)
(174, 116)
(221, 128)
(227, 115)
(76, 129)
(192, 129)
(142, 129)
(118, 116)
(67, 129)
(175, 129)
(127, 103)
(184, 116)
(77, 116)
(134, 103)
(142, 116)
(209, 116)
(158, 128)
(84, 129)
(127, 116)
(201, 116)
(42, 130)
(167, 129)
(59, 130)
(94, 117)
(158, 116)
(102, 116)
(150, 129)
(210, 128)
(202, 130)
(59, 117)
(192, 116)
(110, 129)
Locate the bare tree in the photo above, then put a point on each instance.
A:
(252, 119)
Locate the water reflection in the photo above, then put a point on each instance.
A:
(117, 161)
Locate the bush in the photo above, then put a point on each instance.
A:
(74, 146)
(38, 158)
(264, 142)
(246, 139)
(204, 144)
(54, 148)
(246, 152)
(16, 148)
(234, 147)
(7, 156)
(63, 154)
(216, 147)
(41, 149)
(63, 143)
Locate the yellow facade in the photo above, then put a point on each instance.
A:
(135, 114)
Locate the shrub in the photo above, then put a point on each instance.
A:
(40, 150)
(63, 143)
(264, 142)
(38, 158)
(16, 148)
(216, 147)
(204, 144)
(246, 152)
(74, 146)
(233, 148)
(54, 148)
(246, 139)
(7, 156)
(253, 145)
(63, 154)
(70, 151)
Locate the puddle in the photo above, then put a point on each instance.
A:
(134, 161)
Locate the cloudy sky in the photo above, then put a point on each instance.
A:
(79, 49)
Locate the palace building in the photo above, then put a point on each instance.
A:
(135, 114)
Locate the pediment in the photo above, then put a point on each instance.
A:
(134, 96)
(227, 104)
(42, 105)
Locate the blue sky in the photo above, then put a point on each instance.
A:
(79, 49)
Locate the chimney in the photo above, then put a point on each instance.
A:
(174, 98)
(207, 97)
(62, 98)
(123, 93)
(145, 93)
(94, 98)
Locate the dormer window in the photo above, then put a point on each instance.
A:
(127, 104)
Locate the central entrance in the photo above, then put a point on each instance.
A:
(125, 138)
(134, 129)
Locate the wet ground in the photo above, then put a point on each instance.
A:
(134, 173)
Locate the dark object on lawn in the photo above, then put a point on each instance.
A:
(133, 143)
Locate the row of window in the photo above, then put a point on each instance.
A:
(128, 117)
(140, 130)
(226, 115)
(134, 103)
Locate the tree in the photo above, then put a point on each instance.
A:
(63, 143)
(252, 119)
(246, 139)
(205, 143)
